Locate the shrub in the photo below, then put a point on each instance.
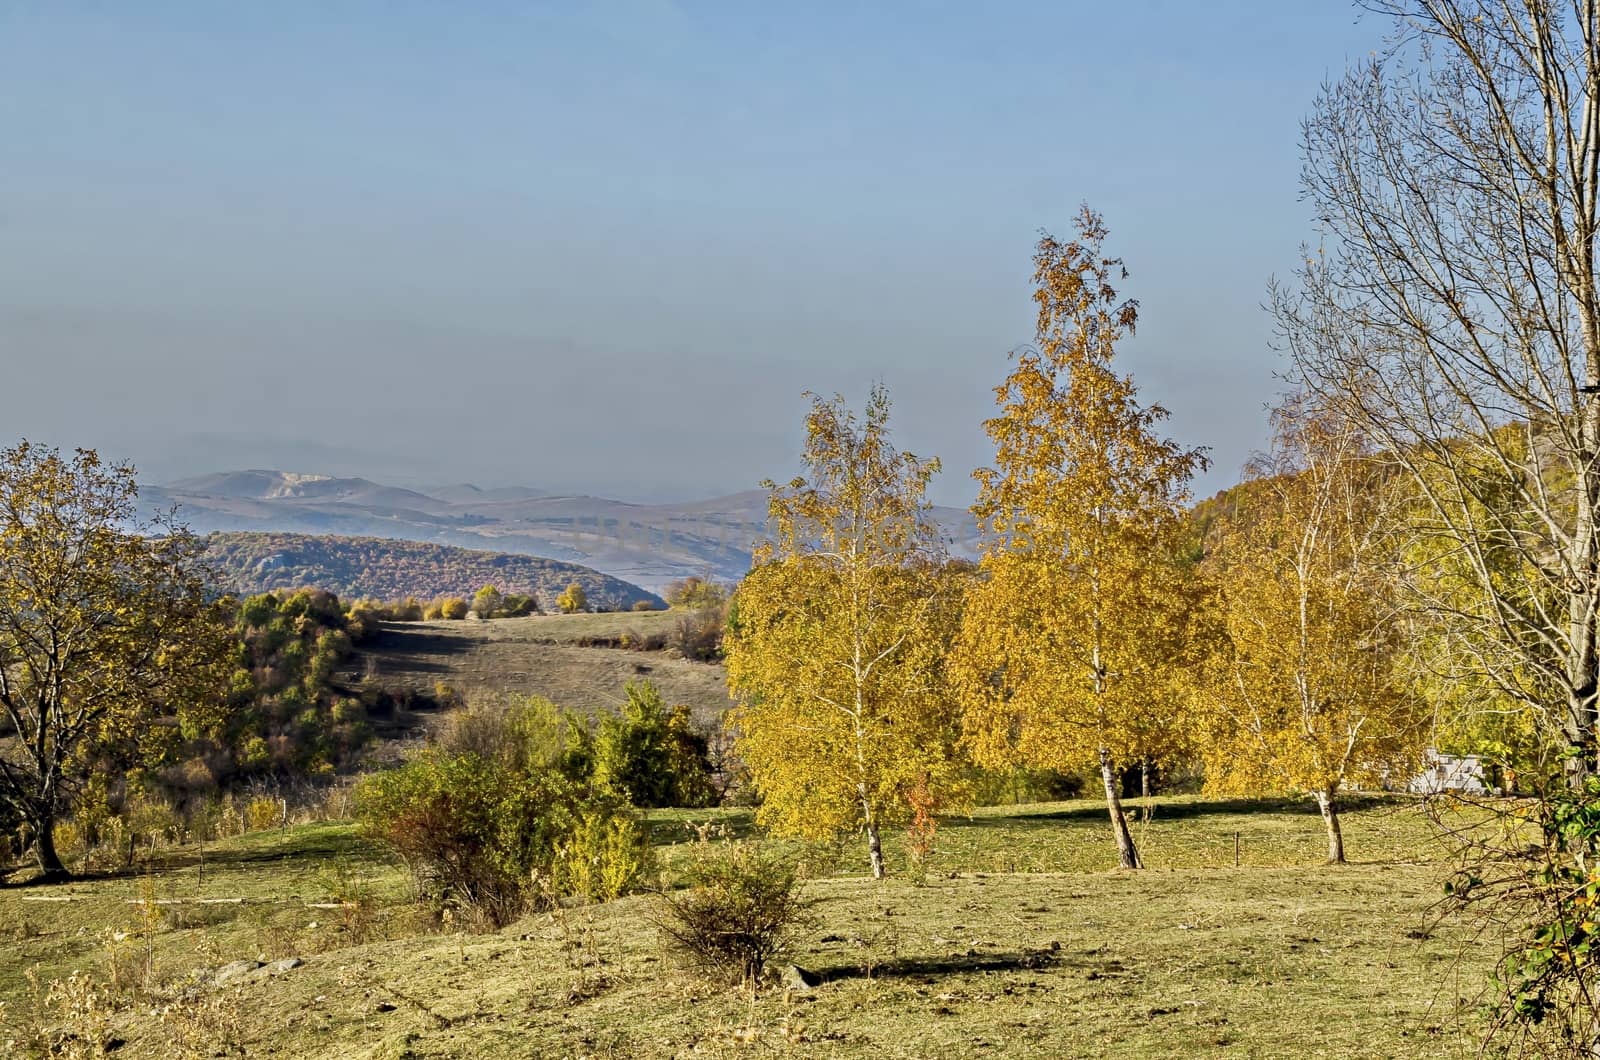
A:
(470, 831)
(488, 601)
(477, 834)
(607, 854)
(515, 605)
(698, 635)
(742, 911)
(1014, 787)
(635, 640)
(652, 755)
(527, 733)
(695, 592)
(453, 608)
(262, 813)
(646, 605)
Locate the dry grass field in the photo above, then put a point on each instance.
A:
(1019, 941)
(542, 655)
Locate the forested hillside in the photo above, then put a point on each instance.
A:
(354, 567)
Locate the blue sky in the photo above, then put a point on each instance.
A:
(605, 247)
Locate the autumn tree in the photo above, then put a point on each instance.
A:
(104, 629)
(841, 627)
(572, 599)
(1076, 638)
(694, 593)
(1306, 695)
(1453, 311)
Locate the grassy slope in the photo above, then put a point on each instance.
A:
(538, 655)
(1193, 957)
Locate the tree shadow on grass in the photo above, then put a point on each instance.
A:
(1176, 811)
(389, 641)
(318, 845)
(932, 967)
(315, 847)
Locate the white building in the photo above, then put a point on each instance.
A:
(1442, 773)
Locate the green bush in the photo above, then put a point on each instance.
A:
(470, 831)
(525, 733)
(515, 605)
(652, 755)
(695, 593)
(1014, 787)
(477, 834)
(488, 601)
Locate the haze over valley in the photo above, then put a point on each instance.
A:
(648, 545)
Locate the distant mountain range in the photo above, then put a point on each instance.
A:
(648, 545)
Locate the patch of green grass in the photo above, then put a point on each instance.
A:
(1182, 831)
(1191, 957)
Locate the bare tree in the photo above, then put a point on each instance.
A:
(1453, 311)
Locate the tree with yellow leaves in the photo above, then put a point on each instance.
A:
(836, 646)
(1306, 696)
(1076, 640)
(572, 600)
(104, 629)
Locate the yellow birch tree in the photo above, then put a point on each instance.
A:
(1306, 696)
(1077, 637)
(836, 647)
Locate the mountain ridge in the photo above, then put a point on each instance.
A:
(646, 544)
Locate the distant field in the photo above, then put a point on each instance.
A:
(540, 655)
(569, 629)
(1190, 958)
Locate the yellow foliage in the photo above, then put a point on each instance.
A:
(572, 600)
(1077, 639)
(262, 813)
(1306, 697)
(839, 633)
(104, 627)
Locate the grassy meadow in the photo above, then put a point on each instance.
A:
(1015, 938)
(547, 655)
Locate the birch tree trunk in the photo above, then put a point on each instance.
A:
(1127, 853)
(1327, 802)
(875, 848)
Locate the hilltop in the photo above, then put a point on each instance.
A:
(391, 569)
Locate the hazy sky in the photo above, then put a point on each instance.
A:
(606, 246)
